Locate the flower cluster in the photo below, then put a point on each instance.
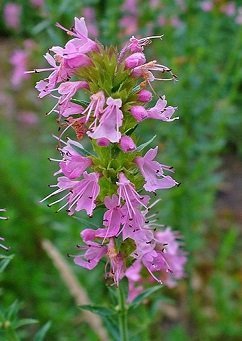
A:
(102, 95)
(1, 238)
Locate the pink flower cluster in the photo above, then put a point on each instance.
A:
(115, 176)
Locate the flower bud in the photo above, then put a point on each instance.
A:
(136, 59)
(144, 96)
(127, 144)
(139, 112)
(103, 142)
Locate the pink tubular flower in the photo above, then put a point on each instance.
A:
(96, 106)
(81, 195)
(112, 217)
(127, 144)
(135, 59)
(103, 142)
(161, 112)
(144, 96)
(79, 45)
(153, 172)
(74, 165)
(173, 255)
(12, 13)
(84, 194)
(110, 122)
(95, 251)
(139, 112)
(127, 192)
(59, 74)
(67, 90)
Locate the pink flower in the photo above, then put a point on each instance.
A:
(135, 59)
(139, 112)
(133, 221)
(94, 251)
(78, 46)
(229, 9)
(81, 194)
(153, 172)
(174, 257)
(207, 6)
(161, 112)
(67, 109)
(96, 106)
(19, 60)
(112, 217)
(127, 192)
(12, 13)
(127, 144)
(103, 142)
(84, 194)
(74, 165)
(145, 71)
(67, 90)
(59, 74)
(110, 122)
(144, 96)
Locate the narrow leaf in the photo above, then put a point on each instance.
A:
(112, 327)
(99, 310)
(145, 294)
(142, 146)
(24, 322)
(40, 335)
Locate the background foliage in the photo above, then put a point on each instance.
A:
(204, 49)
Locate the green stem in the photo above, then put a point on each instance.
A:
(123, 325)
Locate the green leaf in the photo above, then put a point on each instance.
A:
(112, 327)
(99, 310)
(40, 335)
(142, 146)
(24, 322)
(4, 261)
(41, 27)
(13, 310)
(145, 294)
(80, 101)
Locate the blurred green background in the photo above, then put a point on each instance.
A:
(202, 43)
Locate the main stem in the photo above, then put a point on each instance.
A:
(123, 325)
